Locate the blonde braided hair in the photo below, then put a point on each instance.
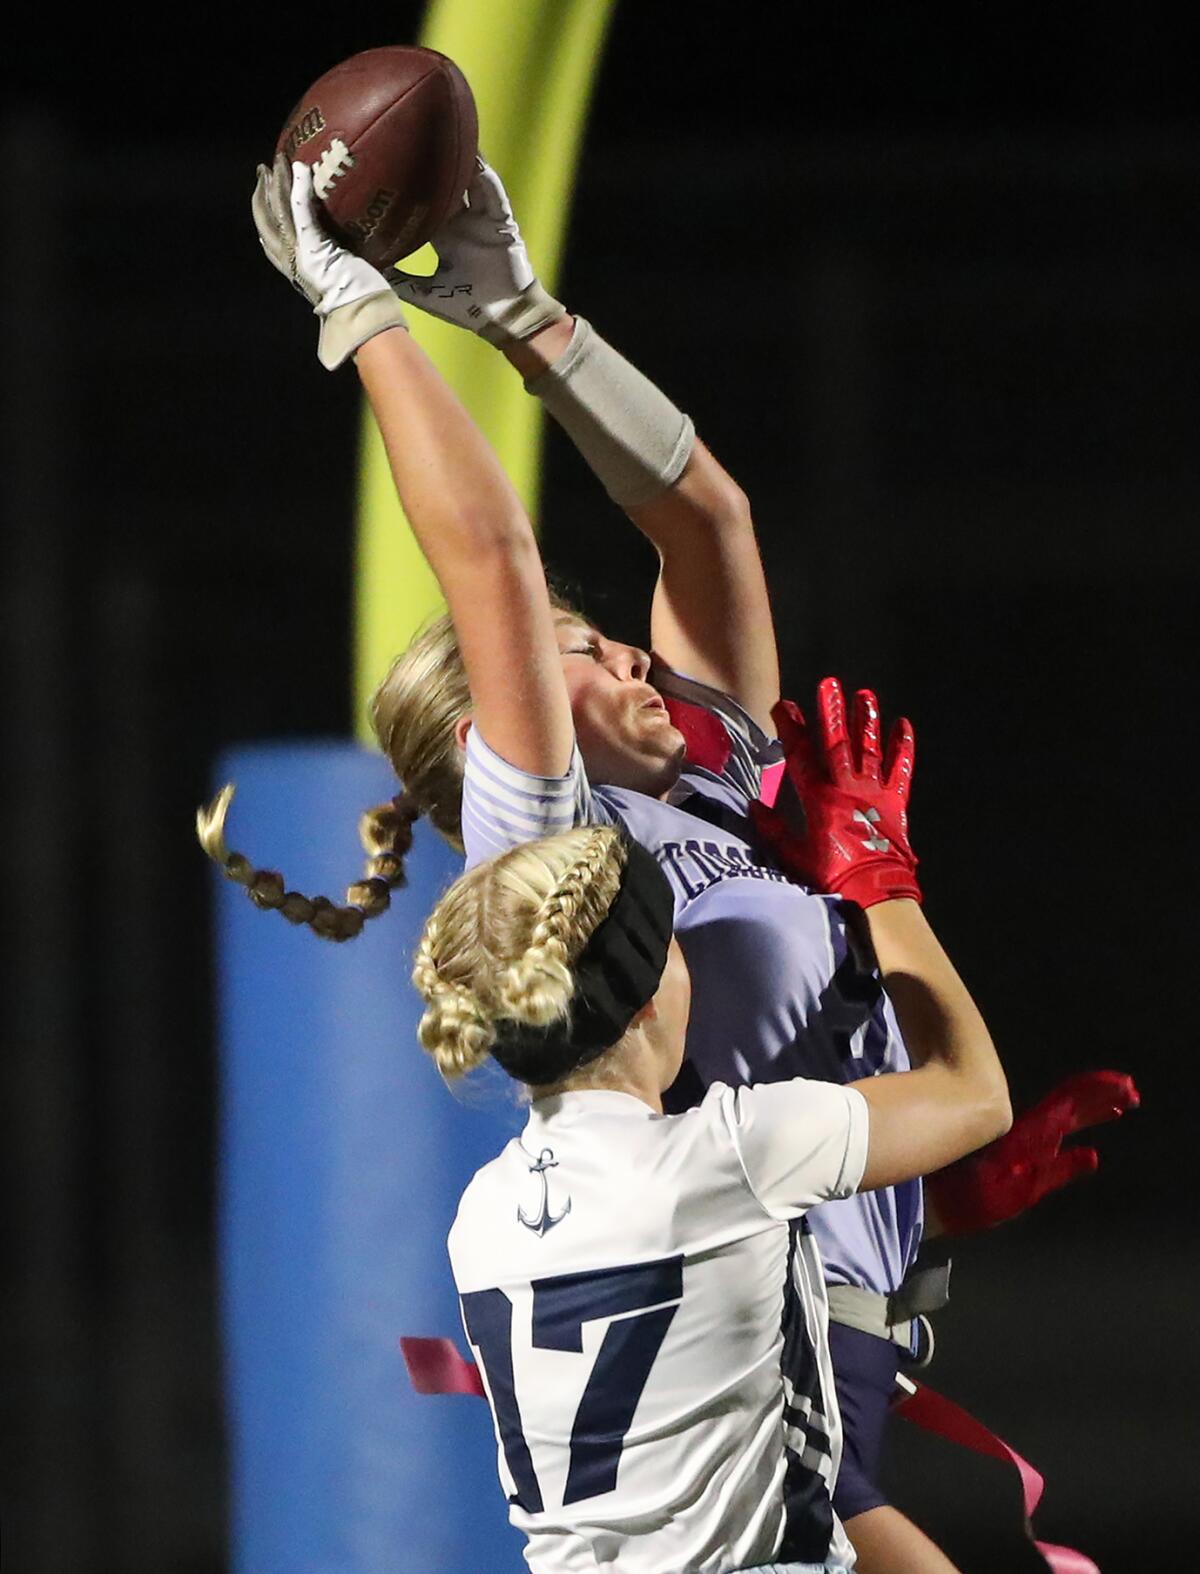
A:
(502, 941)
(386, 834)
(415, 714)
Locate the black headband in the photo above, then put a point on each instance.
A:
(616, 973)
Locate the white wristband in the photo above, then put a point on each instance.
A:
(347, 328)
(635, 440)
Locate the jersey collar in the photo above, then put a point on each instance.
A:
(588, 1101)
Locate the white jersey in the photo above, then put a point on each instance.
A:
(780, 987)
(634, 1287)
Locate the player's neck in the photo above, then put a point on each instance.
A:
(634, 1066)
(646, 1088)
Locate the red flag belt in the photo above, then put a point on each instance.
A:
(436, 1367)
(935, 1413)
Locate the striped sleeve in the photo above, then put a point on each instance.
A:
(503, 806)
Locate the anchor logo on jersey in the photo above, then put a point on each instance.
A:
(874, 842)
(544, 1220)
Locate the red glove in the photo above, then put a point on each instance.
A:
(1029, 1161)
(855, 837)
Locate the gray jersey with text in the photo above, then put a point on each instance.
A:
(780, 987)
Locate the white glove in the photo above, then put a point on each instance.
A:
(483, 280)
(353, 300)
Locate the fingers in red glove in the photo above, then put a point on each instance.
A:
(854, 840)
(1071, 1164)
(1028, 1162)
(865, 730)
(835, 736)
(799, 754)
(1089, 1098)
(901, 754)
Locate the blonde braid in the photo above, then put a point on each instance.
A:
(389, 826)
(531, 989)
(455, 1029)
(502, 941)
(386, 833)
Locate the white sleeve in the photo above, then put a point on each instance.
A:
(503, 806)
(800, 1142)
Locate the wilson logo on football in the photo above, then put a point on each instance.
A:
(305, 129)
(377, 210)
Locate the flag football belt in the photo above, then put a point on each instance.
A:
(436, 1367)
(935, 1413)
(902, 1317)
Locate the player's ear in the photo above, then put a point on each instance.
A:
(461, 728)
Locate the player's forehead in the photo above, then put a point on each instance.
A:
(571, 624)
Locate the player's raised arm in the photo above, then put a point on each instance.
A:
(956, 1098)
(852, 839)
(711, 616)
(467, 518)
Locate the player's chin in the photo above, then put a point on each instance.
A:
(662, 757)
(646, 756)
(677, 745)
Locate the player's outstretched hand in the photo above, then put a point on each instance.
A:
(1029, 1161)
(353, 300)
(484, 280)
(854, 837)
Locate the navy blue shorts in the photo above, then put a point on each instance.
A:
(864, 1371)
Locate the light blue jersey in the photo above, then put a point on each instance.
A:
(779, 986)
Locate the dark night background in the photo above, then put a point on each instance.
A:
(927, 284)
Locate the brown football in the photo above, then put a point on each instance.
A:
(392, 136)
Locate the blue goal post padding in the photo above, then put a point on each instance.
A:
(342, 1160)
